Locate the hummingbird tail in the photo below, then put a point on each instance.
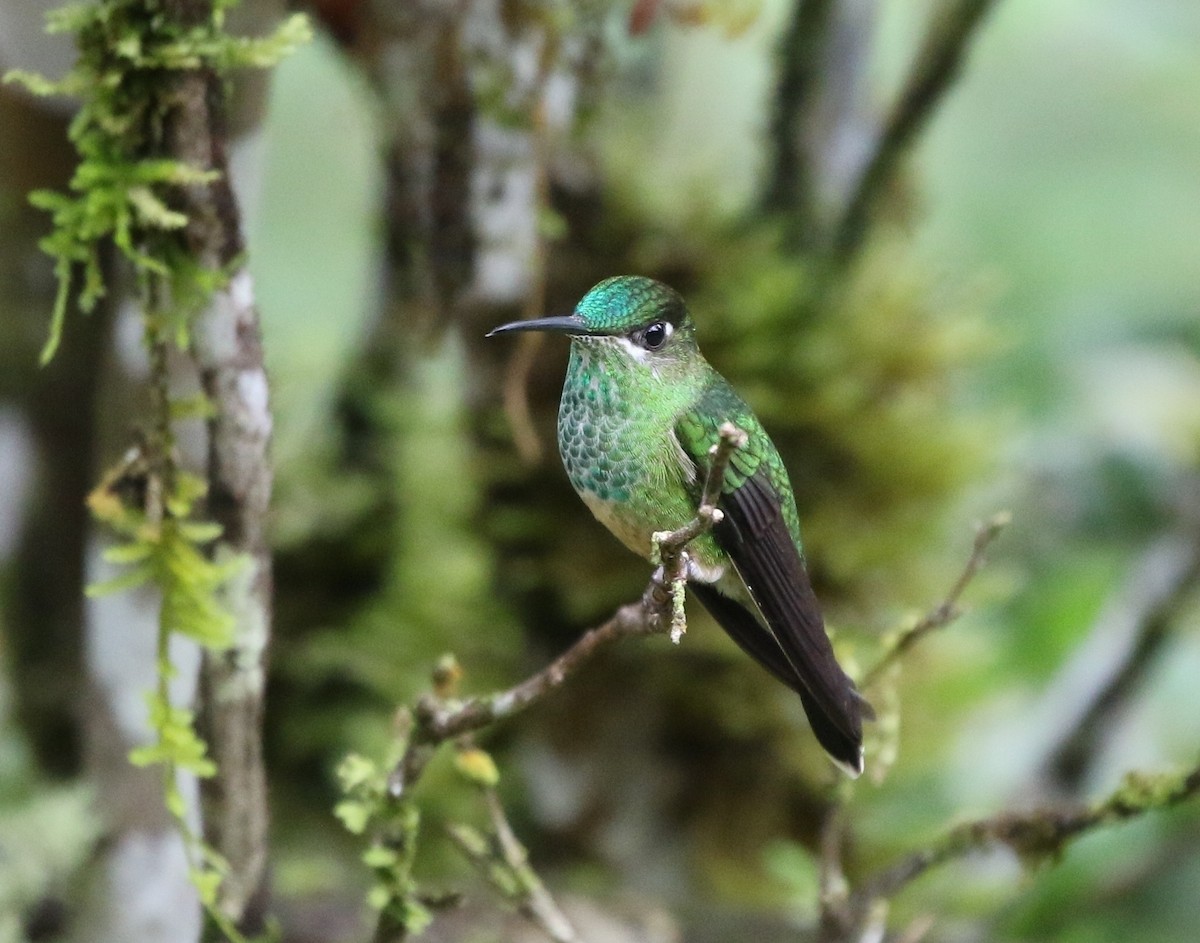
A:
(844, 748)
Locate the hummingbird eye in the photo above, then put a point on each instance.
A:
(654, 336)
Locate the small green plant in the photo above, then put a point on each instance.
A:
(161, 546)
(393, 826)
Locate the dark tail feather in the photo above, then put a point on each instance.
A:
(741, 625)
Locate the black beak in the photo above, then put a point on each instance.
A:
(563, 324)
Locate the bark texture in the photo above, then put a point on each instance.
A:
(228, 355)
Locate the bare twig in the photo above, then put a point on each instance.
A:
(437, 722)
(833, 889)
(536, 902)
(516, 375)
(948, 609)
(503, 861)
(1139, 619)
(936, 67)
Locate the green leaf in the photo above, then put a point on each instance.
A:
(193, 407)
(380, 856)
(292, 33)
(200, 532)
(354, 815)
(73, 17)
(138, 576)
(477, 766)
(154, 212)
(207, 884)
(415, 916)
(32, 82)
(379, 896)
(355, 770)
(134, 552)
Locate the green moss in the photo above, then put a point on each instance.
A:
(858, 384)
(123, 188)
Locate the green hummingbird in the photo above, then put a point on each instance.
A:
(640, 411)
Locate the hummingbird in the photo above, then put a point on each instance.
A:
(640, 412)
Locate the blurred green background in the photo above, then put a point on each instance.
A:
(1026, 337)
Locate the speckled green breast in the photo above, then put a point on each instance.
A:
(616, 436)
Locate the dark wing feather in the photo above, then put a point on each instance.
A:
(741, 625)
(756, 537)
(759, 644)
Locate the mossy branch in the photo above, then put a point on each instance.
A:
(1037, 837)
(152, 181)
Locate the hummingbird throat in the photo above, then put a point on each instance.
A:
(616, 434)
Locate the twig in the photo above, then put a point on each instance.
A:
(936, 67)
(948, 609)
(503, 861)
(439, 720)
(516, 375)
(536, 902)
(1141, 615)
(833, 889)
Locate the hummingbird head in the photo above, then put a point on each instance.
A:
(643, 319)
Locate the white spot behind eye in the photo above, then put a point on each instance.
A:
(635, 351)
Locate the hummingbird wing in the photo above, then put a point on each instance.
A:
(759, 532)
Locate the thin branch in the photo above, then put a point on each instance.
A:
(948, 609)
(1141, 614)
(1035, 836)
(516, 375)
(535, 902)
(439, 720)
(503, 861)
(934, 71)
(833, 890)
